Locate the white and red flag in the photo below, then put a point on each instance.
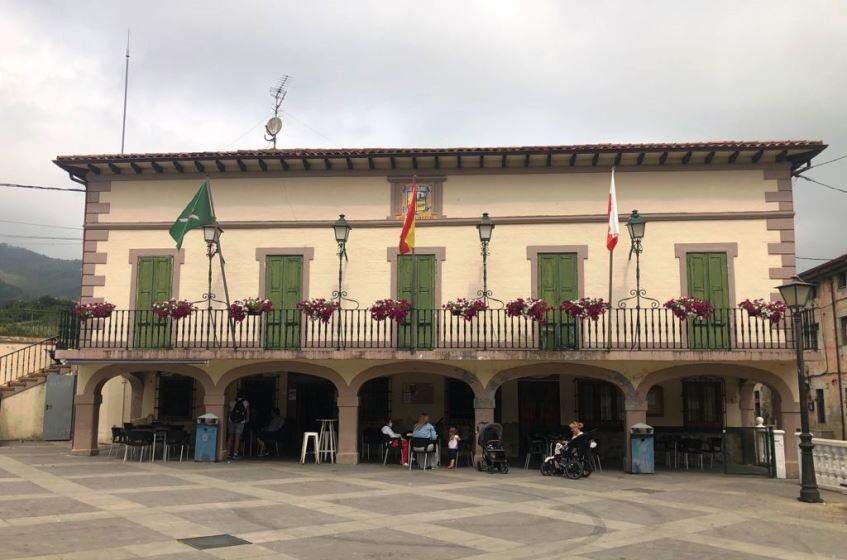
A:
(612, 212)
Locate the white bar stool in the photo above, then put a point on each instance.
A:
(327, 439)
(307, 437)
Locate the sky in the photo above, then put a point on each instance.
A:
(400, 74)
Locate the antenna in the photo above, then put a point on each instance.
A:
(126, 86)
(274, 124)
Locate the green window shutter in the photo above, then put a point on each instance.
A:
(557, 277)
(718, 290)
(425, 279)
(708, 278)
(404, 277)
(153, 281)
(284, 287)
(558, 281)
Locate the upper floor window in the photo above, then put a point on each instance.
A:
(428, 199)
(842, 280)
(843, 321)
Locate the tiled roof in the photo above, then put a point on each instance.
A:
(721, 145)
(835, 265)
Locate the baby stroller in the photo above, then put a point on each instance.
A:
(493, 455)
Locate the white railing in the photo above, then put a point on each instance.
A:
(830, 463)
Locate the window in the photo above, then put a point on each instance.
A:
(656, 401)
(600, 405)
(757, 402)
(175, 397)
(843, 321)
(702, 402)
(820, 406)
(375, 400)
(842, 280)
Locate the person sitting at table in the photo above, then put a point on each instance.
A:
(271, 432)
(395, 439)
(424, 430)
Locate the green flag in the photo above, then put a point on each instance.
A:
(197, 214)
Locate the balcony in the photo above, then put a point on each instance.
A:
(629, 330)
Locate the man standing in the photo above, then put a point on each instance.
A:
(239, 411)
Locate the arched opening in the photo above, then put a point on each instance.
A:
(535, 409)
(284, 401)
(122, 396)
(706, 417)
(400, 392)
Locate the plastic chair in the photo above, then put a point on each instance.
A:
(138, 440)
(421, 445)
(537, 448)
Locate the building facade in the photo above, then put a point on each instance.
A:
(825, 372)
(720, 226)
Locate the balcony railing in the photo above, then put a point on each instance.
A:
(618, 329)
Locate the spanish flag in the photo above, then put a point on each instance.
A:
(407, 235)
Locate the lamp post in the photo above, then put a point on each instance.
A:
(636, 226)
(341, 228)
(485, 227)
(796, 295)
(211, 235)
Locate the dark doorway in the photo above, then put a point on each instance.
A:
(459, 407)
(260, 391)
(539, 410)
(310, 399)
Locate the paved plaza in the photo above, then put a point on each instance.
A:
(54, 505)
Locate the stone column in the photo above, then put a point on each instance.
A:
(216, 404)
(136, 385)
(747, 404)
(86, 416)
(791, 425)
(483, 414)
(348, 430)
(635, 413)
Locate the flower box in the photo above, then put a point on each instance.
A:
(774, 311)
(690, 308)
(97, 310)
(396, 310)
(318, 309)
(173, 308)
(585, 308)
(534, 309)
(468, 309)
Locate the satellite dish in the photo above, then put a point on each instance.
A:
(274, 126)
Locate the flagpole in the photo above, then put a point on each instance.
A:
(222, 263)
(415, 313)
(609, 322)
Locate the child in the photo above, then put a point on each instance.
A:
(453, 447)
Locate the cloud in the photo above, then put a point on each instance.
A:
(421, 74)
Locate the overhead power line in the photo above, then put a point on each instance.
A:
(39, 225)
(40, 237)
(822, 184)
(39, 187)
(826, 162)
(812, 259)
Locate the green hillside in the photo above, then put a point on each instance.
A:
(25, 274)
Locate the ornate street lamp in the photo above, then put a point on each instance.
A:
(636, 227)
(211, 235)
(341, 228)
(485, 227)
(796, 294)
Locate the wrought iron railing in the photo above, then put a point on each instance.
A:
(27, 360)
(618, 329)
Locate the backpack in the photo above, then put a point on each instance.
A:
(239, 412)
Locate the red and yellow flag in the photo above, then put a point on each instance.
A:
(407, 234)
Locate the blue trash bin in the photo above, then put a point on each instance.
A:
(206, 440)
(643, 455)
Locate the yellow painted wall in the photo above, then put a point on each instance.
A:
(22, 414)
(367, 273)
(115, 408)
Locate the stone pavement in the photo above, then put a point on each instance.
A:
(57, 506)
